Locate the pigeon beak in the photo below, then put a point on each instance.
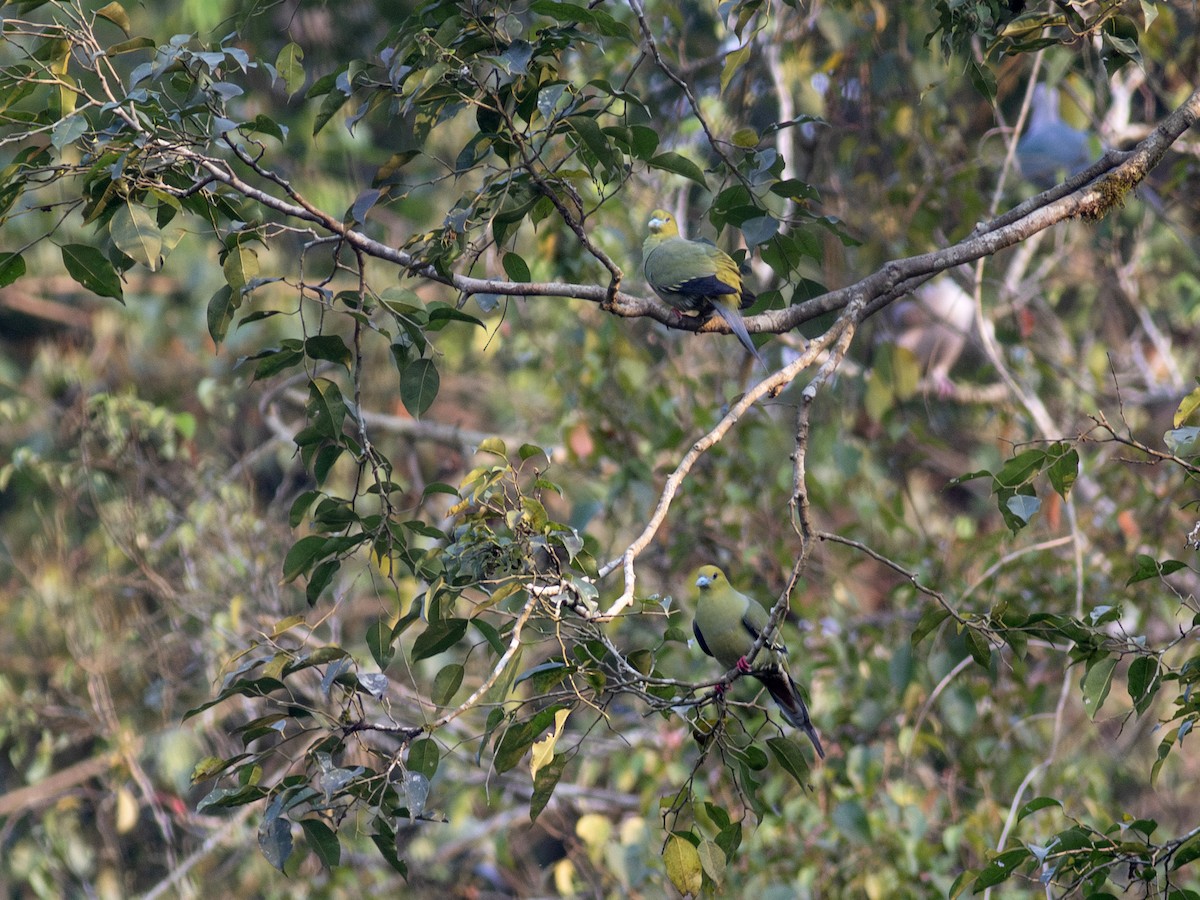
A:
(703, 581)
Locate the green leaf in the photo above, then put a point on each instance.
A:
(851, 820)
(334, 101)
(302, 555)
(679, 165)
(643, 141)
(895, 375)
(1001, 868)
(971, 476)
(930, 620)
(385, 841)
(92, 270)
(1021, 469)
(1143, 682)
(437, 637)
(379, 642)
(1147, 568)
(135, 233)
(266, 125)
(323, 841)
(682, 860)
(326, 407)
(733, 62)
(1189, 851)
(221, 307)
(1035, 804)
(982, 80)
(516, 268)
(208, 767)
(320, 579)
(490, 634)
(275, 840)
(240, 266)
(1096, 682)
(289, 65)
(423, 757)
(980, 649)
(419, 386)
(228, 798)
(1064, 470)
(67, 131)
(131, 45)
(544, 783)
(493, 445)
(730, 838)
(513, 745)
(442, 313)
(329, 347)
(760, 229)
(600, 21)
(965, 879)
(363, 204)
(446, 684)
(1164, 750)
(12, 267)
(596, 141)
(788, 755)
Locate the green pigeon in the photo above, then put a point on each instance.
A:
(726, 625)
(696, 277)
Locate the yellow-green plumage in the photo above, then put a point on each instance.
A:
(695, 277)
(726, 625)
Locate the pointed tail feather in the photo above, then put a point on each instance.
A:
(791, 704)
(733, 319)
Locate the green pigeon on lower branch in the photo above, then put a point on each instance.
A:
(696, 277)
(727, 624)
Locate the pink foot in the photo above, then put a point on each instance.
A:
(743, 666)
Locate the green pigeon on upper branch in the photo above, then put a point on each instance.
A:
(726, 625)
(696, 277)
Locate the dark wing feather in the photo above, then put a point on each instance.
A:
(779, 683)
(754, 632)
(704, 287)
(700, 639)
(748, 296)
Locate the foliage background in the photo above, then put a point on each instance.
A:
(154, 546)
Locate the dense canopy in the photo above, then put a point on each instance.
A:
(351, 472)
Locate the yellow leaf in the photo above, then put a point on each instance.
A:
(543, 751)
(116, 14)
(564, 877)
(733, 62)
(712, 860)
(240, 266)
(1187, 406)
(286, 625)
(683, 865)
(127, 811)
(594, 830)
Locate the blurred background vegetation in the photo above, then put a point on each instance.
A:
(164, 457)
